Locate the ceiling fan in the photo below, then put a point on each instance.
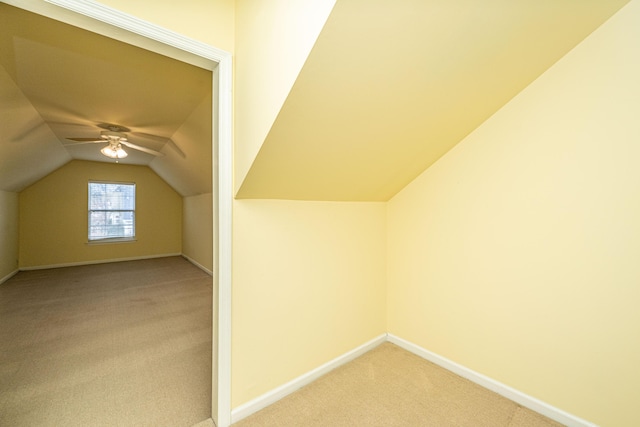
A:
(115, 137)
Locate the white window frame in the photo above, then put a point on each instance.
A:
(124, 237)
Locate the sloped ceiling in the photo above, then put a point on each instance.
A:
(390, 86)
(58, 81)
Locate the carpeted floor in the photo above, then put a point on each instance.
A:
(389, 386)
(129, 344)
(120, 344)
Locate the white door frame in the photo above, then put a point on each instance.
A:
(95, 17)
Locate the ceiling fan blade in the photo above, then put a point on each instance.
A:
(163, 139)
(87, 140)
(149, 135)
(139, 148)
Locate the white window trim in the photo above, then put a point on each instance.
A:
(117, 239)
(112, 240)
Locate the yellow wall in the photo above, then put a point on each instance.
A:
(8, 234)
(516, 254)
(197, 229)
(308, 286)
(273, 39)
(208, 21)
(53, 216)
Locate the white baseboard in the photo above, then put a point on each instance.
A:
(197, 264)
(98, 261)
(284, 390)
(8, 276)
(493, 385)
(206, 423)
(510, 393)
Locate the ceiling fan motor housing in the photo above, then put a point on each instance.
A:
(114, 128)
(112, 135)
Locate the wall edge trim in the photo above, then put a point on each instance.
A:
(284, 390)
(197, 264)
(504, 390)
(98, 261)
(9, 276)
(112, 16)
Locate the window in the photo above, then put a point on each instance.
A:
(112, 211)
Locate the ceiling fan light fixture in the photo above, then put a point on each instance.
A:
(114, 152)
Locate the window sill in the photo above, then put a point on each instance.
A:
(112, 240)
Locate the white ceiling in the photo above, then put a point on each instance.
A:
(58, 81)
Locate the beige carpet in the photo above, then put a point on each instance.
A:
(389, 386)
(120, 344)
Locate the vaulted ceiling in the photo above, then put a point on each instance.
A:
(387, 89)
(390, 86)
(58, 81)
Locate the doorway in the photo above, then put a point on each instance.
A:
(117, 25)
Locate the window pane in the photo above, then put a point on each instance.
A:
(128, 224)
(104, 196)
(97, 225)
(111, 210)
